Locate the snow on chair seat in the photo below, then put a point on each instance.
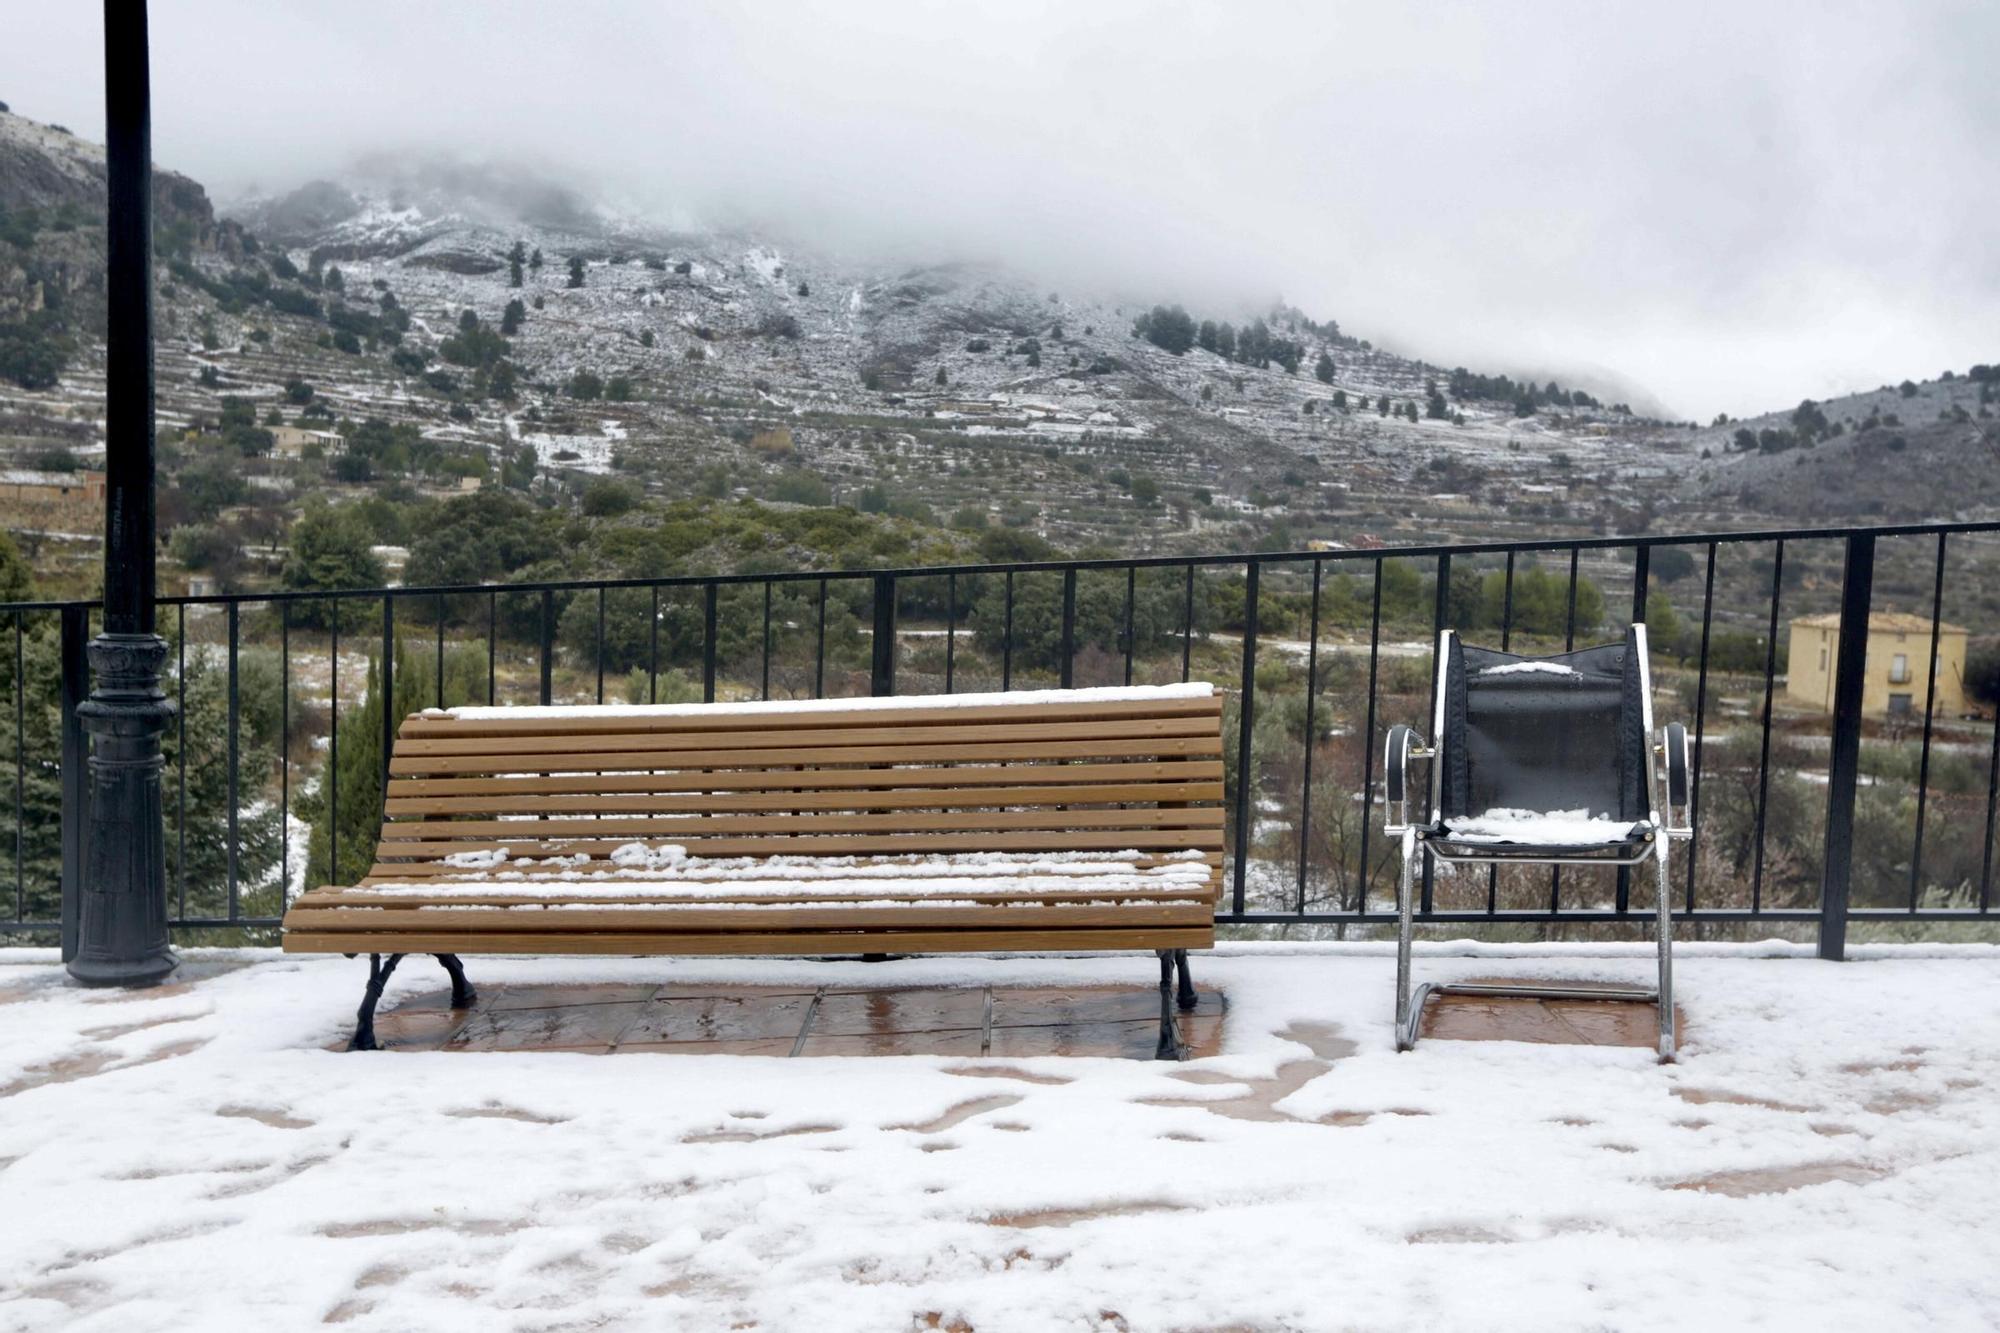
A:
(1053, 820)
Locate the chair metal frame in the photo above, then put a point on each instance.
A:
(1655, 835)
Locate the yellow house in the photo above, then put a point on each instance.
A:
(1897, 677)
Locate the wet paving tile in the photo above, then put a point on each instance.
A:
(885, 1011)
(1130, 1040)
(961, 1042)
(1549, 1022)
(719, 1018)
(777, 1046)
(551, 997)
(564, 1028)
(688, 1018)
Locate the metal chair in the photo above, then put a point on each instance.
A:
(1540, 761)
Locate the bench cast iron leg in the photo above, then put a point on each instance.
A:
(462, 994)
(364, 1025)
(1186, 998)
(1170, 1047)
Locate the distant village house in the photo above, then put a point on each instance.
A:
(1898, 677)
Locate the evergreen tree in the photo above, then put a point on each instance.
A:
(942, 378)
(576, 270)
(331, 549)
(467, 322)
(1225, 341)
(1382, 406)
(1323, 368)
(1340, 399)
(535, 259)
(357, 780)
(1204, 337)
(510, 319)
(516, 258)
(1437, 409)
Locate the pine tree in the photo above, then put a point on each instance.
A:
(576, 270)
(516, 257)
(1382, 406)
(941, 376)
(1323, 368)
(510, 319)
(358, 776)
(535, 259)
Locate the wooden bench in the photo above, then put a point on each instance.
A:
(1048, 821)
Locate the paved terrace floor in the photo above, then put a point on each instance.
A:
(1825, 1156)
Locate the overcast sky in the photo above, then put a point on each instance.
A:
(1732, 205)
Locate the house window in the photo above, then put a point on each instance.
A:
(1899, 669)
(1901, 705)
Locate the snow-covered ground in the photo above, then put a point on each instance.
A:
(1826, 1156)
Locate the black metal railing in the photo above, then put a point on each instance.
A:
(1815, 812)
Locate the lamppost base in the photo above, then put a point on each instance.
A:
(122, 935)
(130, 972)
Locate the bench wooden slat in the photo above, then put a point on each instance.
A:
(377, 896)
(535, 917)
(853, 799)
(883, 733)
(435, 940)
(844, 844)
(910, 753)
(811, 779)
(668, 828)
(915, 714)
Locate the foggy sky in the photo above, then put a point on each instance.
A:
(1732, 205)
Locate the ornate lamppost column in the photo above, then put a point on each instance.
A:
(122, 937)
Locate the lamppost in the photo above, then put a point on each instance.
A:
(122, 938)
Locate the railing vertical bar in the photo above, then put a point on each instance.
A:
(181, 760)
(547, 691)
(75, 764)
(819, 648)
(1068, 626)
(1506, 645)
(709, 593)
(1992, 810)
(234, 754)
(882, 639)
(388, 683)
(1131, 596)
(20, 773)
(1569, 645)
(1569, 631)
(284, 753)
(1187, 627)
(1857, 585)
(1642, 568)
(1930, 710)
(653, 647)
(1312, 693)
(950, 629)
(1007, 637)
(1245, 731)
(764, 686)
(599, 653)
(332, 746)
(1368, 738)
(1440, 610)
(440, 657)
(492, 647)
(1700, 723)
(1764, 757)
